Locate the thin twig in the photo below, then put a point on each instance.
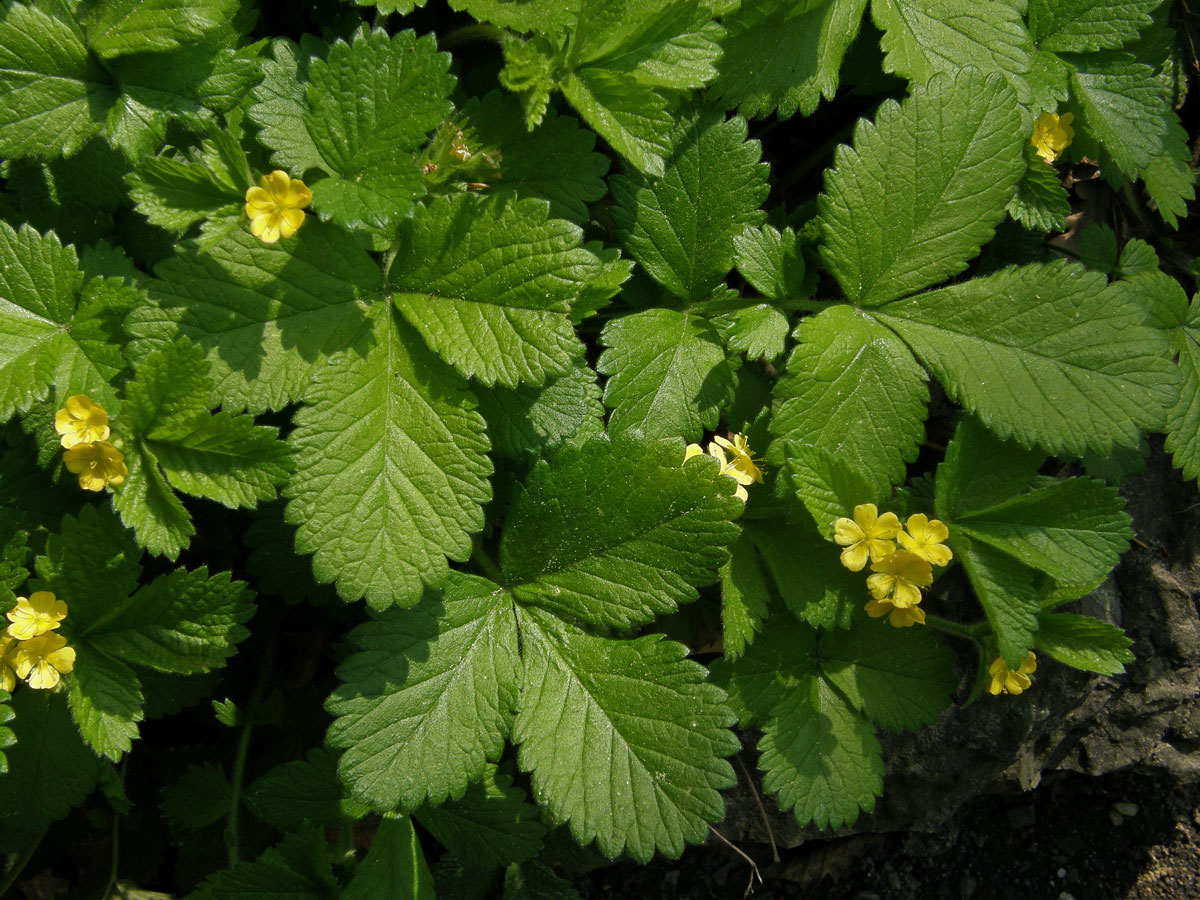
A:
(754, 873)
(762, 810)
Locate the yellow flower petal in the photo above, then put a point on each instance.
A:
(97, 464)
(1007, 681)
(36, 614)
(855, 557)
(276, 207)
(40, 660)
(81, 421)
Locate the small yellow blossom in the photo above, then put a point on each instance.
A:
(81, 421)
(899, 578)
(8, 650)
(898, 616)
(1052, 134)
(36, 614)
(924, 537)
(739, 464)
(277, 208)
(97, 464)
(42, 659)
(1006, 681)
(868, 534)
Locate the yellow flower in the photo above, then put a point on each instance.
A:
(1006, 681)
(924, 538)
(867, 534)
(899, 578)
(40, 660)
(277, 208)
(738, 465)
(81, 421)
(898, 616)
(8, 675)
(37, 614)
(97, 464)
(1052, 134)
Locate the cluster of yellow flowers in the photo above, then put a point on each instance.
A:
(276, 207)
(736, 459)
(82, 427)
(1009, 681)
(29, 648)
(899, 574)
(1052, 134)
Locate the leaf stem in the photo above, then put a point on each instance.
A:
(19, 863)
(116, 838)
(490, 569)
(964, 631)
(239, 763)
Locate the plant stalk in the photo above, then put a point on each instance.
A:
(243, 750)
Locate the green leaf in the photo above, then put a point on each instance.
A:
(784, 57)
(1041, 202)
(854, 390)
(534, 880)
(300, 868)
(116, 27)
(391, 468)
(54, 93)
(1084, 643)
(175, 194)
(1006, 591)
(1169, 177)
(428, 697)
(304, 789)
(1118, 103)
(821, 756)
(924, 37)
(827, 486)
(395, 868)
(1084, 26)
(635, 119)
(492, 824)
(488, 284)
(7, 737)
(557, 161)
(370, 104)
(526, 421)
(680, 226)
(1047, 354)
(952, 155)
(624, 740)
(281, 104)
(148, 505)
(55, 330)
(769, 671)
(760, 331)
(745, 597)
(900, 677)
(198, 799)
(981, 470)
(268, 316)
(668, 374)
(1183, 419)
(616, 533)
(106, 702)
(771, 261)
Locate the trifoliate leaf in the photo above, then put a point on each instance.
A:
(526, 421)
(492, 824)
(680, 226)
(1083, 642)
(821, 756)
(54, 92)
(268, 316)
(1041, 202)
(370, 104)
(616, 533)
(1074, 530)
(429, 697)
(745, 597)
(391, 468)
(303, 789)
(1006, 591)
(488, 284)
(924, 37)
(828, 488)
(760, 331)
(668, 374)
(771, 261)
(395, 867)
(635, 119)
(300, 868)
(199, 798)
(785, 57)
(106, 702)
(50, 769)
(854, 390)
(1083, 26)
(900, 677)
(556, 161)
(1183, 419)
(1047, 354)
(955, 146)
(55, 330)
(624, 740)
